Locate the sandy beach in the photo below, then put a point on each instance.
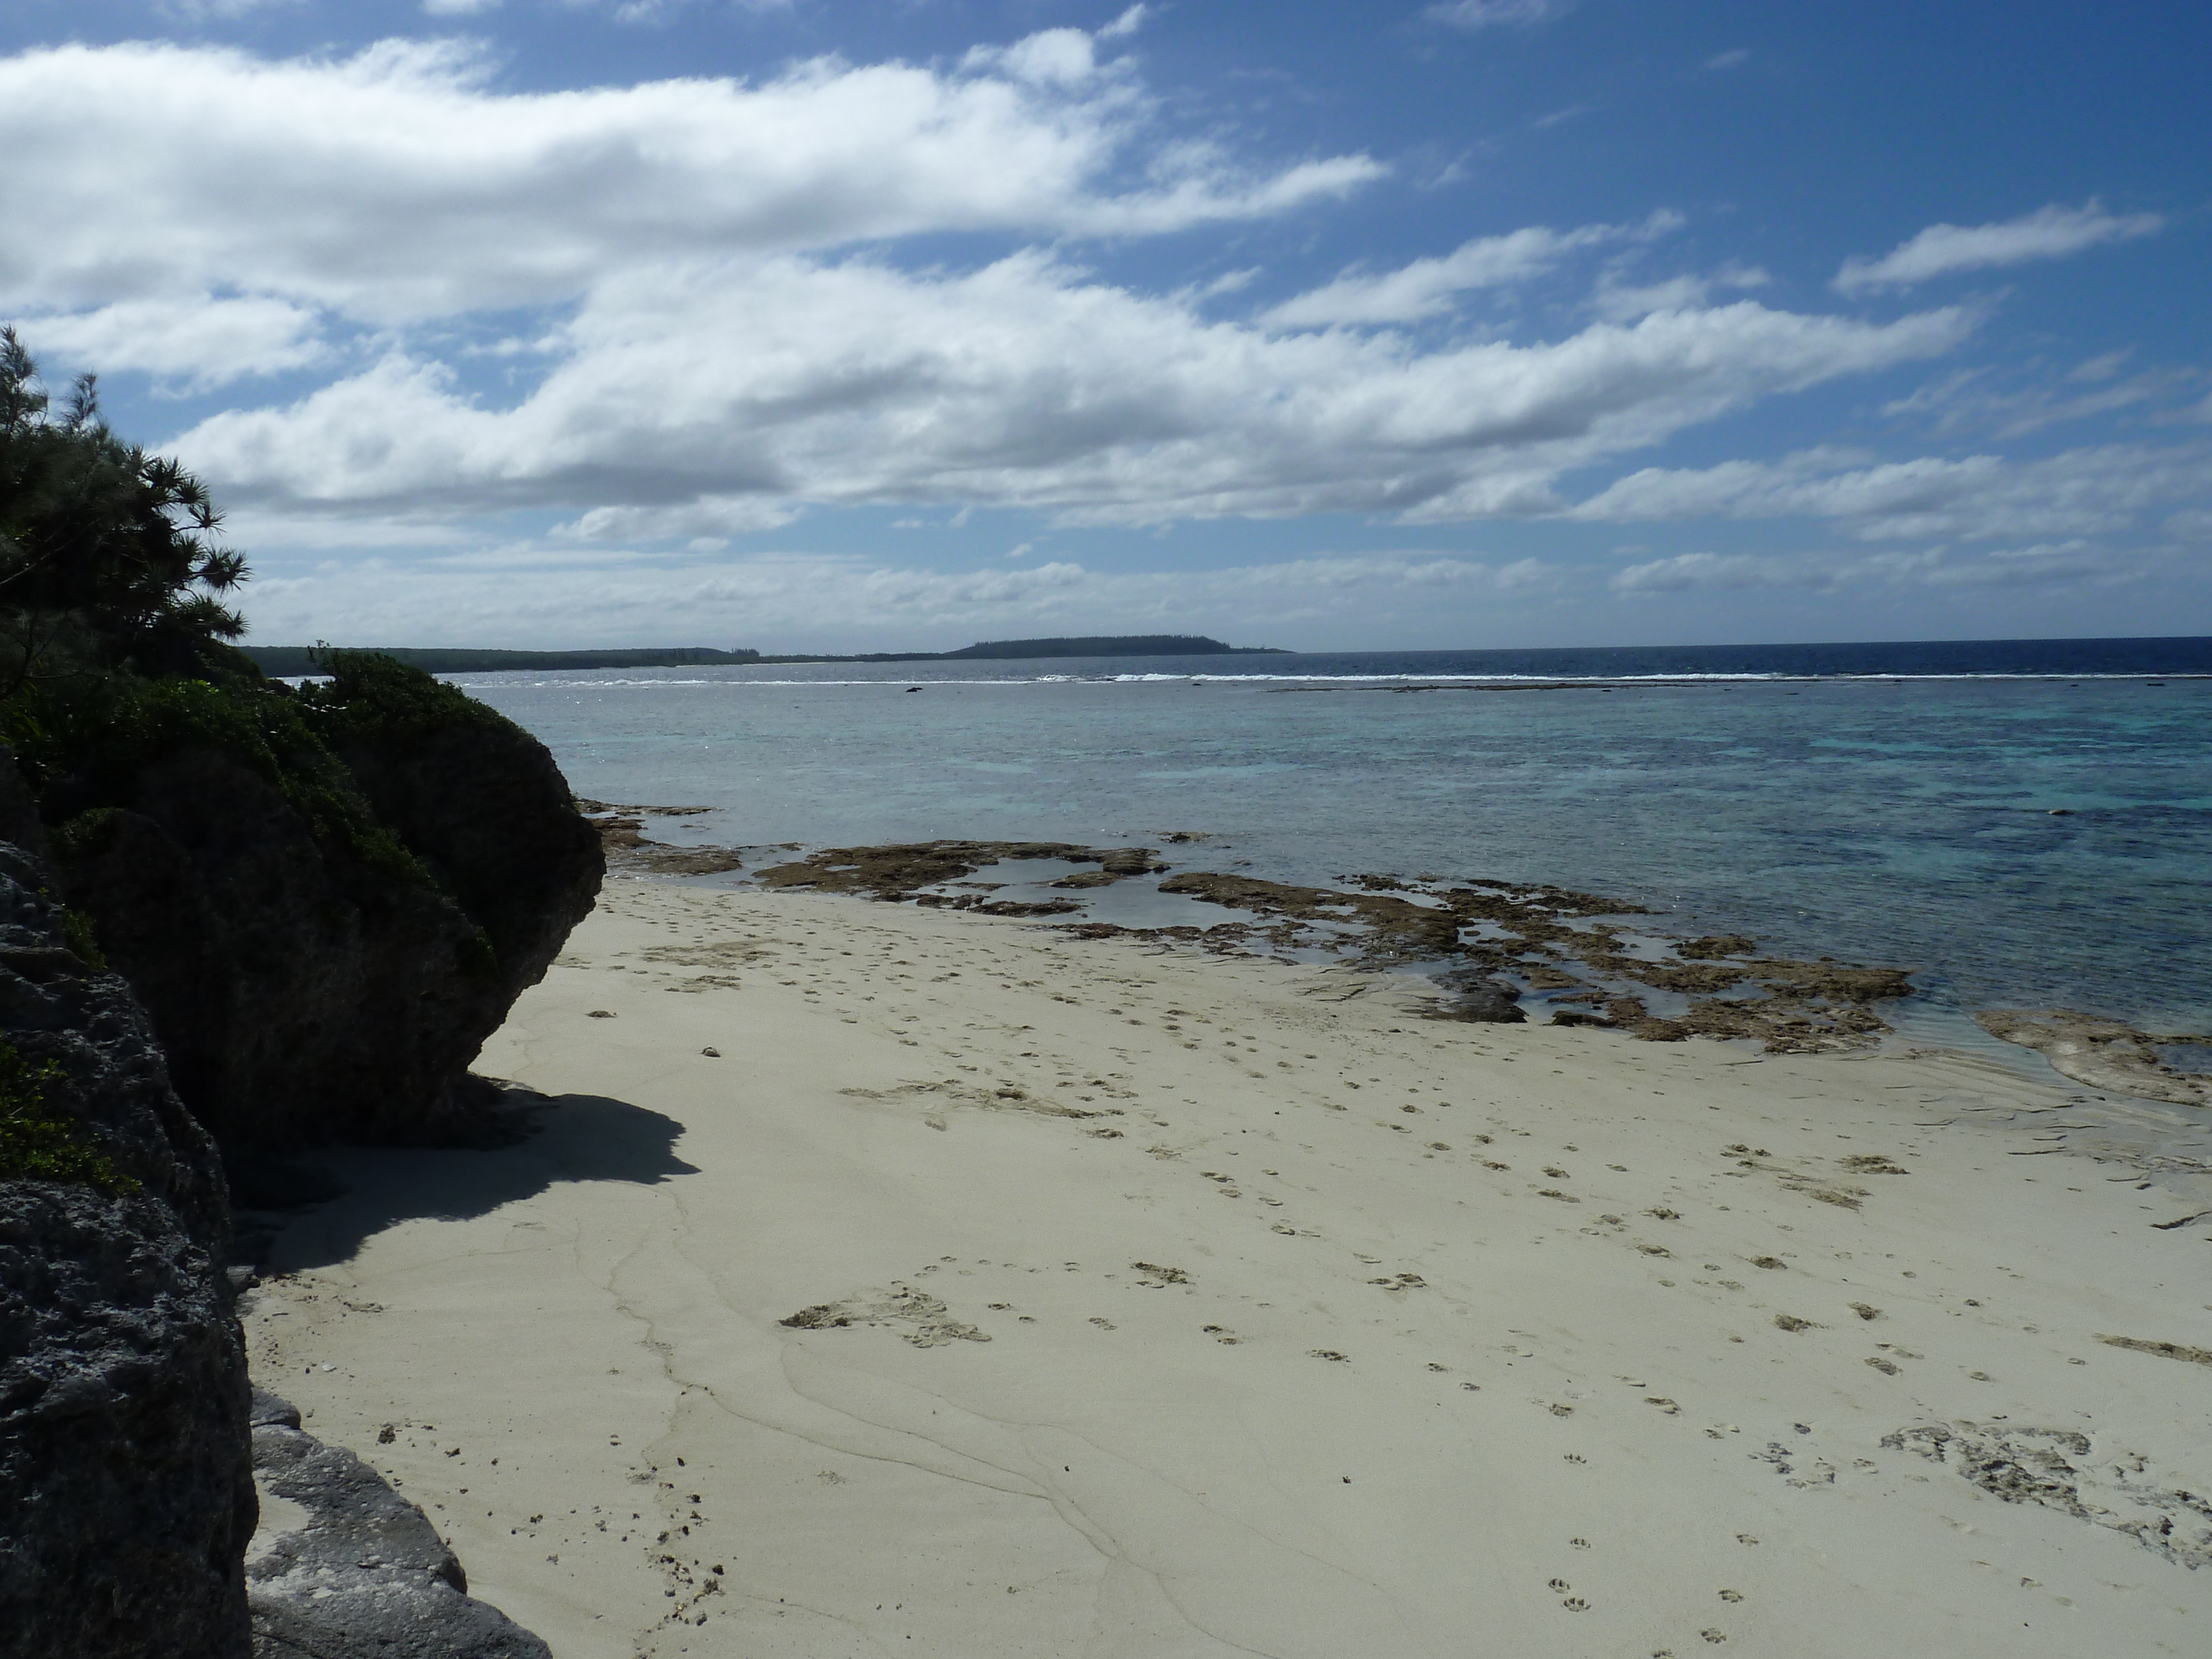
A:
(884, 1280)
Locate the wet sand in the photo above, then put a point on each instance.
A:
(997, 1292)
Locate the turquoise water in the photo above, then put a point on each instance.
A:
(1908, 821)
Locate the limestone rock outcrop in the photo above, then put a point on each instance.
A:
(323, 939)
(126, 1498)
(345, 1568)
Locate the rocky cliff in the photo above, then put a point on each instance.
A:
(126, 1498)
(323, 898)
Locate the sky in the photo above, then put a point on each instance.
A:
(859, 324)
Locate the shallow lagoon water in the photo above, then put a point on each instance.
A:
(2013, 841)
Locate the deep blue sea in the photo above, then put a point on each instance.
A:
(2023, 824)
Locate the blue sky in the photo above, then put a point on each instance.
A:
(805, 326)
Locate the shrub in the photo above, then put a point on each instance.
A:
(41, 1143)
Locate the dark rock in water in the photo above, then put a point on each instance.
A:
(1714, 945)
(899, 872)
(1395, 929)
(345, 1568)
(1129, 861)
(1478, 1000)
(1084, 878)
(125, 1495)
(313, 979)
(621, 834)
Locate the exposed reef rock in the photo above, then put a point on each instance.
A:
(621, 834)
(325, 927)
(343, 1567)
(1498, 937)
(2100, 1053)
(125, 1493)
(1115, 863)
(1538, 933)
(1397, 929)
(901, 871)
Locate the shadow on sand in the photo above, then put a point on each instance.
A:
(572, 1138)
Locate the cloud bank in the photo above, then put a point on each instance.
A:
(398, 186)
(593, 335)
(714, 395)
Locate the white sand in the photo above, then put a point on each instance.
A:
(1406, 1403)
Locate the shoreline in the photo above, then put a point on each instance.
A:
(1494, 942)
(1087, 1295)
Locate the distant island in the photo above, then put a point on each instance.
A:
(294, 659)
(1097, 645)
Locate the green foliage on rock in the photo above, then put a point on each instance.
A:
(82, 940)
(40, 1142)
(89, 740)
(376, 701)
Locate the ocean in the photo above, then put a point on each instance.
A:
(2018, 823)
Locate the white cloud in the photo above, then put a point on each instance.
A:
(710, 516)
(1471, 14)
(1621, 301)
(1427, 287)
(459, 7)
(1060, 57)
(396, 185)
(201, 11)
(1126, 24)
(789, 381)
(2101, 490)
(1686, 572)
(1970, 400)
(2048, 232)
(653, 11)
(202, 341)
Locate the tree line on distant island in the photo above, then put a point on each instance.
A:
(298, 659)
